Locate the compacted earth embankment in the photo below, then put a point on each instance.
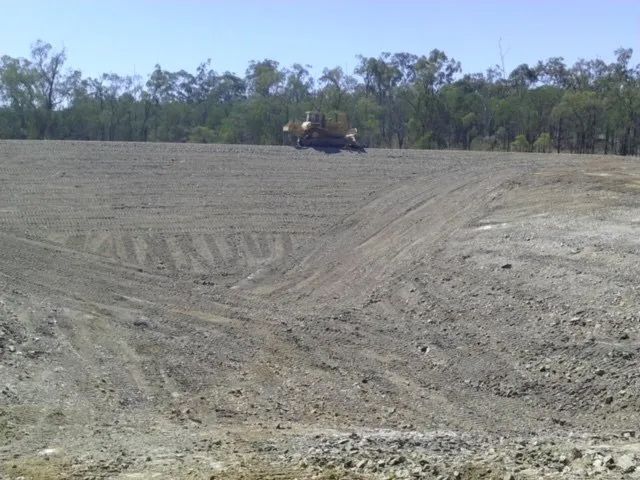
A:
(198, 311)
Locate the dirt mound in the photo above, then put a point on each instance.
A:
(225, 310)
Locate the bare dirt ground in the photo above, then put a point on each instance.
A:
(190, 311)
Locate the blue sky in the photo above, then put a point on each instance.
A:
(126, 36)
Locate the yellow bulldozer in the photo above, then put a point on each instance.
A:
(324, 131)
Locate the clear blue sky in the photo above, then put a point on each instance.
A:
(120, 36)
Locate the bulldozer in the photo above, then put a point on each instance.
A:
(324, 131)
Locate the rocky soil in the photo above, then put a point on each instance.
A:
(198, 311)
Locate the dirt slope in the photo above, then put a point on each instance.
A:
(189, 310)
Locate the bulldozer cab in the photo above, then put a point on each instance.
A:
(315, 118)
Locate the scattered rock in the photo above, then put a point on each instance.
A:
(575, 453)
(49, 452)
(626, 463)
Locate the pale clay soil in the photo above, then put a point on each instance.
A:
(199, 311)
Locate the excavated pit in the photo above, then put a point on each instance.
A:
(202, 311)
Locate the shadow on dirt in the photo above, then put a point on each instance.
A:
(333, 150)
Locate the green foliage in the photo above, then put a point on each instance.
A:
(484, 143)
(520, 144)
(202, 135)
(469, 120)
(542, 143)
(427, 141)
(264, 78)
(398, 100)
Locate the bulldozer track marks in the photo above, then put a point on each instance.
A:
(198, 253)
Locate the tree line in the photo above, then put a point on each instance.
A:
(398, 100)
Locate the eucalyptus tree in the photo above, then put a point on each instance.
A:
(430, 115)
(53, 85)
(18, 97)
